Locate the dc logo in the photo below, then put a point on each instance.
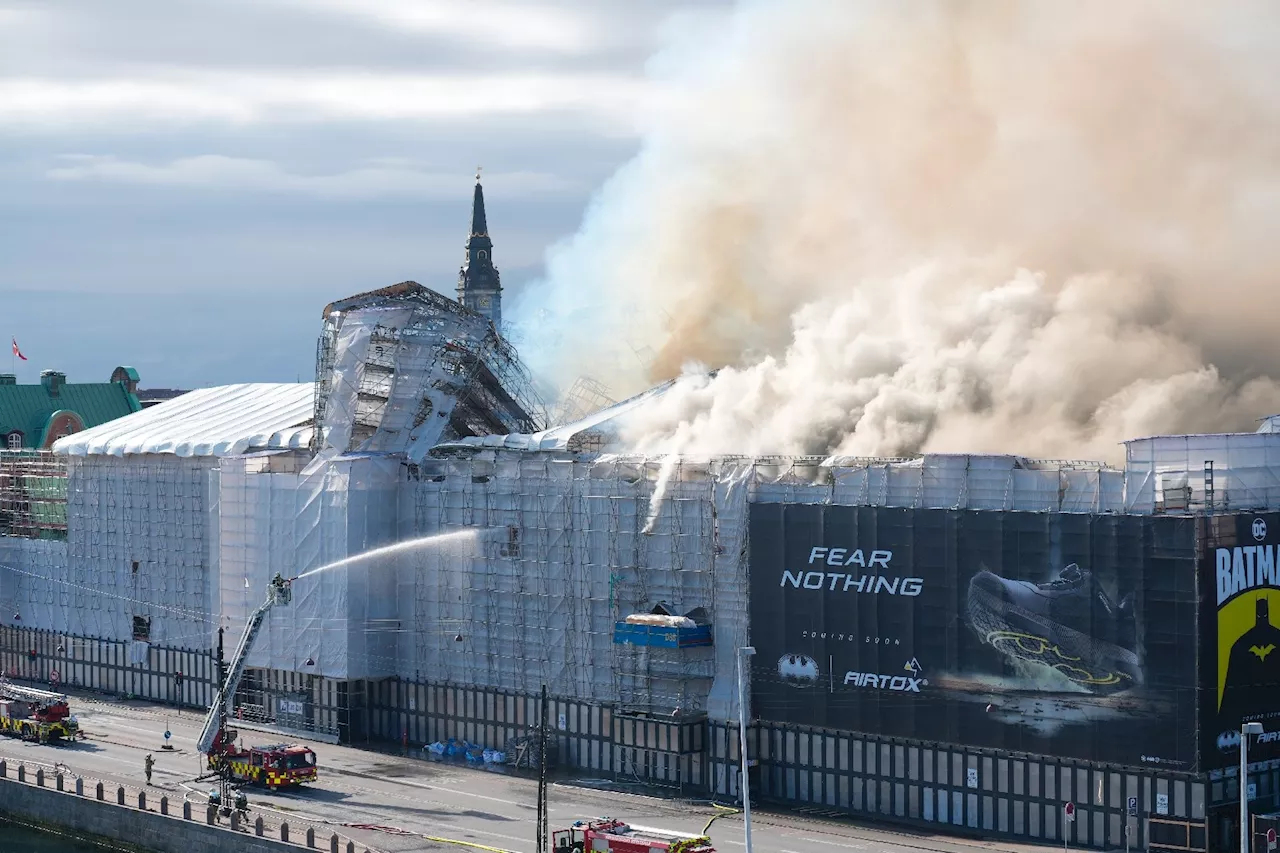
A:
(1259, 529)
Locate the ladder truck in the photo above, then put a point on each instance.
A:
(276, 766)
(608, 834)
(38, 715)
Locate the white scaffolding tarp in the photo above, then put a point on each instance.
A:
(222, 421)
(274, 518)
(1175, 473)
(136, 561)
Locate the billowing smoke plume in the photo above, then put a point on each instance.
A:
(941, 226)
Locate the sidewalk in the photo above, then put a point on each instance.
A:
(125, 793)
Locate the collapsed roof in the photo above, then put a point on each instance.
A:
(403, 368)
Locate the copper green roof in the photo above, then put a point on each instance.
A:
(30, 408)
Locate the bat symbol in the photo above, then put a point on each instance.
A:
(1263, 651)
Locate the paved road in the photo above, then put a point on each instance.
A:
(431, 799)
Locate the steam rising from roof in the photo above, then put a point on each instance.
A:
(941, 226)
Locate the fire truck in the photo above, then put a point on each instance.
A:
(38, 715)
(618, 837)
(278, 766)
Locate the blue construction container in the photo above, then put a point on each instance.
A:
(626, 634)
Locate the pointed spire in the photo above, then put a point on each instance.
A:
(479, 227)
(479, 285)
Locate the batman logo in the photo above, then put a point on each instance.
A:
(799, 670)
(1229, 740)
(1263, 651)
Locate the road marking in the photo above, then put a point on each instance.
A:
(368, 810)
(743, 844)
(831, 843)
(119, 725)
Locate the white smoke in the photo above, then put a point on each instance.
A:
(950, 226)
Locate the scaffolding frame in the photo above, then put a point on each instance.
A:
(33, 495)
(423, 356)
(585, 396)
(567, 559)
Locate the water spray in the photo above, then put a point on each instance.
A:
(453, 537)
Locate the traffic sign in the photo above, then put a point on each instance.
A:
(54, 678)
(1133, 807)
(167, 734)
(1069, 809)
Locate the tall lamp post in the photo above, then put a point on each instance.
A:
(744, 652)
(1246, 731)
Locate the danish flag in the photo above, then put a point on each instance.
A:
(17, 351)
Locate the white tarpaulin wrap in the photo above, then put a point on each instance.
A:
(420, 401)
(223, 421)
(290, 523)
(137, 547)
(348, 371)
(1172, 473)
(401, 370)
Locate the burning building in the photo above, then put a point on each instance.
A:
(959, 640)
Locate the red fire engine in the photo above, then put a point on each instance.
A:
(35, 714)
(617, 837)
(276, 766)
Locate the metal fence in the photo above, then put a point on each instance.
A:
(979, 790)
(589, 736)
(837, 772)
(132, 669)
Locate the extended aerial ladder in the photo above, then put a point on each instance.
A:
(9, 690)
(217, 741)
(280, 591)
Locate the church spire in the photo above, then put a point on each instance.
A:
(479, 286)
(479, 227)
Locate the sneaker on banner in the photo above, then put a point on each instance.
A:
(1068, 624)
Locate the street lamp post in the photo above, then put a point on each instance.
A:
(1246, 731)
(744, 652)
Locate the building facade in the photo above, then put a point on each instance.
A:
(33, 417)
(1057, 651)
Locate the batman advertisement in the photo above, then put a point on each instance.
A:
(1059, 634)
(1240, 631)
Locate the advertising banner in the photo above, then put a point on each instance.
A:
(1240, 661)
(1058, 634)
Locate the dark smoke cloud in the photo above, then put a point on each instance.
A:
(941, 226)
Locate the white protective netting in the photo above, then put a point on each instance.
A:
(943, 481)
(136, 561)
(560, 558)
(34, 584)
(1176, 473)
(274, 518)
(395, 376)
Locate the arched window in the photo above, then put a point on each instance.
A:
(14, 440)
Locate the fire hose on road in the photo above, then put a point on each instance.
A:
(395, 830)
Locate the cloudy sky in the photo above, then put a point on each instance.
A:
(184, 185)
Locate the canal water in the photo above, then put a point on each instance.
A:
(19, 839)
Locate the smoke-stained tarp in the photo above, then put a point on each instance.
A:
(1057, 634)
